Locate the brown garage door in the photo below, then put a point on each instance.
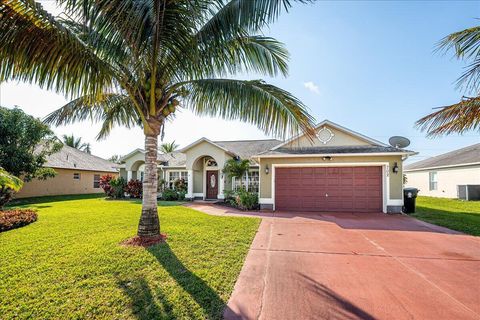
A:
(341, 189)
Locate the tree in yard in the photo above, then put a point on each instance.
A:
(76, 143)
(115, 158)
(464, 115)
(135, 62)
(168, 147)
(25, 143)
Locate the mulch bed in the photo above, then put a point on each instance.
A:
(16, 218)
(145, 241)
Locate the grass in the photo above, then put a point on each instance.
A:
(454, 214)
(69, 263)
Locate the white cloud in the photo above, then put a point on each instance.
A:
(312, 87)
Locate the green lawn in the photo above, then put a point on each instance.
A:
(69, 263)
(454, 214)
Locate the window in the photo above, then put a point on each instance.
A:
(76, 176)
(142, 175)
(96, 181)
(250, 181)
(432, 180)
(176, 175)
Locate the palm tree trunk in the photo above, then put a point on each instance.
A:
(149, 225)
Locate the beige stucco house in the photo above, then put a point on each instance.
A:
(77, 173)
(442, 175)
(339, 170)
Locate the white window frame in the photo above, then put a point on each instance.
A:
(170, 182)
(246, 180)
(432, 180)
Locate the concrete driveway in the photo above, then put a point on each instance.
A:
(357, 266)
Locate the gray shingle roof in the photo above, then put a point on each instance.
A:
(71, 158)
(173, 159)
(245, 149)
(470, 154)
(334, 150)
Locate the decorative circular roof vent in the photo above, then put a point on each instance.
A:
(325, 135)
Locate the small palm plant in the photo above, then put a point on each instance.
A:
(9, 184)
(464, 115)
(76, 142)
(236, 168)
(168, 147)
(135, 62)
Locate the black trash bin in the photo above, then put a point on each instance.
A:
(409, 199)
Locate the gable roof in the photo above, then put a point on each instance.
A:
(71, 158)
(173, 159)
(464, 156)
(338, 127)
(244, 149)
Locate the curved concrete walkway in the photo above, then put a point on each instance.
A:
(354, 266)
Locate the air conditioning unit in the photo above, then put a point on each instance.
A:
(468, 192)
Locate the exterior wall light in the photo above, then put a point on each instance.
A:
(266, 169)
(395, 168)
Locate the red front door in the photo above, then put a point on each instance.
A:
(212, 184)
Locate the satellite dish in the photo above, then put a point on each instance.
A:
(399, 142)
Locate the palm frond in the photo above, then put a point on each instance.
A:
(457, 118)
(36, 48)
(466, 44)
(110, 109)
(273, 110)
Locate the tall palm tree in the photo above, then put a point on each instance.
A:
(76, 142)
(464, 115)
(168, 147)
(133, 62)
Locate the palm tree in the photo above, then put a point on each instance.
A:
(133, 62)
(168, 147)
(76, 143)
(464, 115)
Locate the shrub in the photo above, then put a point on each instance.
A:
(16, 218)
(105, 184)
(169, 195)
(180, 185)
(247, 200)
(134, 188)
(118, 187)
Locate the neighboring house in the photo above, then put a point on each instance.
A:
(77, 173)
(340, 170)
(439, 176)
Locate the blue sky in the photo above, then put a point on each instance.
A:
(370, 67)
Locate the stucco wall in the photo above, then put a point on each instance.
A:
(62, 184)
(204, 149)
(448, 179)
(396, 181)
(340, 138)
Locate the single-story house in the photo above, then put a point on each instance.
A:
(442, 175)
(77, 173)
(339, 170)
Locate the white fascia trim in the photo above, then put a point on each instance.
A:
(204, 140)
(336, 126)
(444, 167)
(313, 155)
(265, 200)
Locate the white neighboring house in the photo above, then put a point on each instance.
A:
(439, 176)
